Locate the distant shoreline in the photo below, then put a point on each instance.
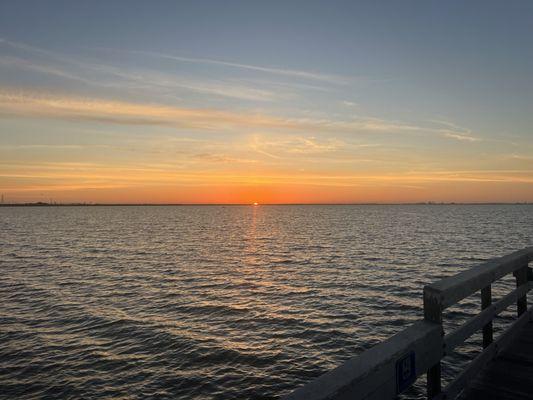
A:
(40, 204)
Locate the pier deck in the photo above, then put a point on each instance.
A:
(510, 375)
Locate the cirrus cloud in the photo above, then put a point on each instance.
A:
(27, 104)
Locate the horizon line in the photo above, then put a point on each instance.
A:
(82, 204)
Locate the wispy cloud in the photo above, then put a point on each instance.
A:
(24, 104)
(335, 79)
(105, 75)
(21, 63)
(146, 79)
(109, 76)
(25, 47)
(39, 146)
(349, 104)
(520, 157)
(221, 158)
(163, 83)
(461, 137)
(32, 177)
(279, 147)
(454, 131)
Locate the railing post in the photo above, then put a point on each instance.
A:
(486, 301)
(433, 313)
(521, 279)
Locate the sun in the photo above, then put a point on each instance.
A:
(256, 203)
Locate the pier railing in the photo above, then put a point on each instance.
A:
(391, 367)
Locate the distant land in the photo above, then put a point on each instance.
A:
(44, 204)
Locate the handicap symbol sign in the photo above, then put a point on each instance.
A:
(405, 372)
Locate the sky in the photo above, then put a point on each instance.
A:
(266, 101)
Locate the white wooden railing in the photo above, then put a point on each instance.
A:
(391, 367)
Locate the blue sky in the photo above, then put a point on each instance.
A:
(183, 101)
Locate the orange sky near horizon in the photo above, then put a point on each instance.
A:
(460, 192)
(98, 151)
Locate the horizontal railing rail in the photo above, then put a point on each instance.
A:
(391, 367)
(371, 375)
(454, 339)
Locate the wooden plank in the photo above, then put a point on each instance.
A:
(372, 374)
(451, 290)
(455, 338)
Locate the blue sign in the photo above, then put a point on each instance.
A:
(405, 372)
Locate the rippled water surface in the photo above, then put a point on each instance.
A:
(232, 302)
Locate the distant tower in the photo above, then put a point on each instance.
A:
(2, 198)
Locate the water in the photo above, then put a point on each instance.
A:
(223, 302)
